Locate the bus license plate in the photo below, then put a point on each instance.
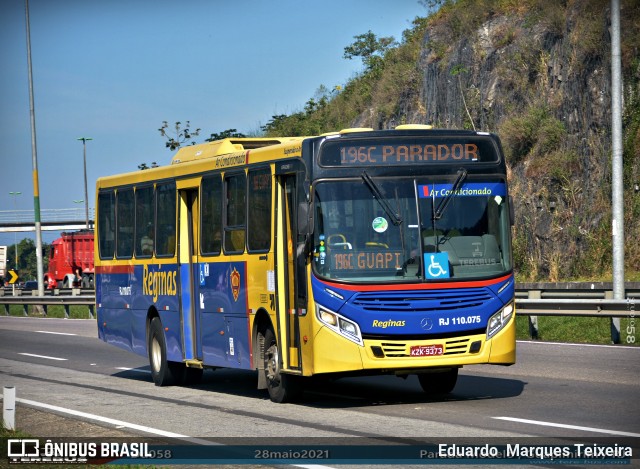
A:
(426, 350)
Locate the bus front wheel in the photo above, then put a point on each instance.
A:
(163, 372)
(439, 382)
(282, 387)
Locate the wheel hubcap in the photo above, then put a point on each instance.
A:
(156, 354)
(271, 362)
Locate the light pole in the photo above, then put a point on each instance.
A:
(15, 233)
(86, 195)
(34, 161)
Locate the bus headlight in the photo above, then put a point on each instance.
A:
(338, 323)
(499, 320)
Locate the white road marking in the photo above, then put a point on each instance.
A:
(99, 418)
(572, 427)
(56, 333)
(142, 428)
(42, 356)
(132, 369)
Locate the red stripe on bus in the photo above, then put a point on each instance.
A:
(414, 286)
(114, 269)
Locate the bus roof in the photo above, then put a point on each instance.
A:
(195, 158)
(226, 147)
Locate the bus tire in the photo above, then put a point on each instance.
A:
(438, 383)
(163, 372)
(282, 387)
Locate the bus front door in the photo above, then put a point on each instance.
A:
(288, 286)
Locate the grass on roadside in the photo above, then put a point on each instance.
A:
(580, 330)
(53, 311)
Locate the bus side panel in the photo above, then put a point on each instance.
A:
(157, 287)
(214, 338)
(125, 297)
(114, 327)
(222, 304)
(172, 334)
(114, 302)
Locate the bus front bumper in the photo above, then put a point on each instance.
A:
(335, 354)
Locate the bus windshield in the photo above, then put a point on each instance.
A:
(379, 229)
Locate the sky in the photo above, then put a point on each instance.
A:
(113, 70)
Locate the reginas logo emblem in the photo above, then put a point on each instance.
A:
(235, 284)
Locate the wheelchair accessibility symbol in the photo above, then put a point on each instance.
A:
(437, 265)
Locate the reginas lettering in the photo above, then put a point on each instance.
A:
(157, 283)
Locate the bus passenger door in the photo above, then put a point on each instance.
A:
(289, 285)
(187, 258)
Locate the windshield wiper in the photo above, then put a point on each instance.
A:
(396, 219)
(462, 174)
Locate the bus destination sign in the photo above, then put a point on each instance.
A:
(365, 261)
(392, 153)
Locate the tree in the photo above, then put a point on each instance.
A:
(182, 134)
(274, 126)
(229, 133)
(143, 166)
(27, 261)
(370, 48)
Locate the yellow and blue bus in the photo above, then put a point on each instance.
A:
(353, 252)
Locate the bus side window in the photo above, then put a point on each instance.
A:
(259, 222)
(144, 221)
(211, 215)
(235, 213)
(106, 224)
(124, 223)
(165, 219)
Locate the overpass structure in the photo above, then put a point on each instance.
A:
(57, 219)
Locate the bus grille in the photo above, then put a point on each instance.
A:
(400, 350)
(422, 301)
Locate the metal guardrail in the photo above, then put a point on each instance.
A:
(577, 307)
(576, 299)
(65, 298)
(532, 300)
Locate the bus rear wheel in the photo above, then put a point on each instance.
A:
(438, 382)
(163, 372)
(282, 387)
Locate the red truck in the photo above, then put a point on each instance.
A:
(71, 261)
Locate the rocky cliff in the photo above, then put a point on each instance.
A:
(538, 73)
